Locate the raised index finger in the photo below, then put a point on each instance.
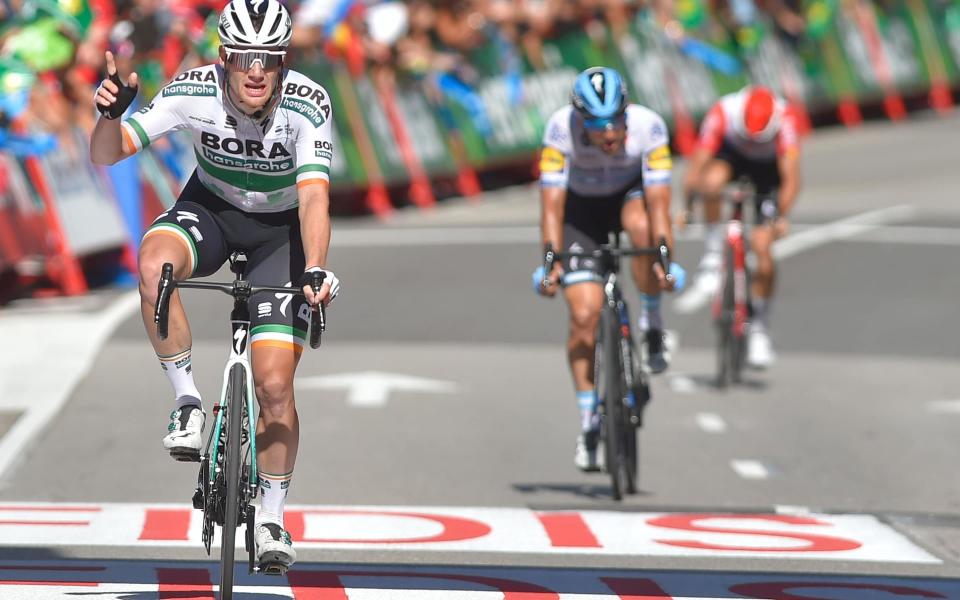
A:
(111, 63)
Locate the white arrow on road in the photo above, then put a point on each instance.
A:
(372, 388)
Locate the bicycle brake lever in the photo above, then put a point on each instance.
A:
(318, 317)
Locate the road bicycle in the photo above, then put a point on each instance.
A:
(621, 383)
(731, 304)
(228, 479)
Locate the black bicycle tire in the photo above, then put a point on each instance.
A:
(725, 323)
(236, 397)
(612, 400)
(631, 430)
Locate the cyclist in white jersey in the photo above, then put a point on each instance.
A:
(263, 142)
(605, 166)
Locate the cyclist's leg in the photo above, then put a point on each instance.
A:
(188, 237)
(635, 217)
(279, 324)
(762, 236)
(586, 223)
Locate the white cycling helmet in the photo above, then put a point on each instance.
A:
(255, 23)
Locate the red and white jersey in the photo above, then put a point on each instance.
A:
(724, 124)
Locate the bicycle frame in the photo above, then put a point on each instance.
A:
(737, 242)
(239, 354)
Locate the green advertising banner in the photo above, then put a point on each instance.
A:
(495, 113)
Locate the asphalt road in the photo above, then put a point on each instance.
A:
(858, 420)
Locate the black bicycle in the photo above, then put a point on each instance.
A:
(621, 383)
(228, 479)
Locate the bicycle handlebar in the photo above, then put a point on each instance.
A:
(661, 251)
(238, 289)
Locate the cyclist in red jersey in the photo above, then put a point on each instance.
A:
(751, 134)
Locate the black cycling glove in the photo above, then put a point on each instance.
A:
(125, 95)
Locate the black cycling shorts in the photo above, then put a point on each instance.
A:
(765, 176)
(212, 229)
(587, 222)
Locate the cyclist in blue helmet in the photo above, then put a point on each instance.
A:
(604, 166)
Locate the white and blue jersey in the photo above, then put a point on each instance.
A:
(568, 160)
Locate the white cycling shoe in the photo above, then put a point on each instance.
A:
(184, 434)
(585, 457)
(275, 553)
(760, 354)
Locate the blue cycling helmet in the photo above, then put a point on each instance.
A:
(600, 96)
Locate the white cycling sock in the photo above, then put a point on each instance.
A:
(650, 317)
(273, 495)
(712, 246)
(180, 373)
(587, 401)
(761, 312)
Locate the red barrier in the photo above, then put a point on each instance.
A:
(892, 100)
(421, 193)
(378, 201)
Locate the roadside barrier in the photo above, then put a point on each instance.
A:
(402, 142)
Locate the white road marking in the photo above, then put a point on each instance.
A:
(944, 406)
(711, 423)
(372, 388)
(838, 230)
(806, 238)
(787, 509)
(750, 469)
(865, 227)
(682, 384)
(33, 382)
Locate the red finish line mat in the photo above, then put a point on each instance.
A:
(514, 530)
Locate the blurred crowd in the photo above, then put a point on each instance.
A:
(52, 51)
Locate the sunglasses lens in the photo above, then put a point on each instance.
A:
(603, 124)
(245, 60)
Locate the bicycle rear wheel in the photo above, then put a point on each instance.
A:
(236, 397)
(612, 427)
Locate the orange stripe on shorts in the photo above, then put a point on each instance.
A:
(277, 344)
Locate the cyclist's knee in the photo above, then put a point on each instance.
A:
(638, 228)
(275, 393)
(584, 318)
(150, 265)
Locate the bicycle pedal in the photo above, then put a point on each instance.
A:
(274, 568)
(185, 454)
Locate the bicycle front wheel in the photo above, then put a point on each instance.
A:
(726, 342)
(236, 398)
(610, 371)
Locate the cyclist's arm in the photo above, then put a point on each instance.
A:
(657, 174)
(658, 207)
(108, 145)
(314, 214)
(711, 137)
(552, 201)
(789, 165)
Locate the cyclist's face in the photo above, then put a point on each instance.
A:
(610, 140)
(252, 86)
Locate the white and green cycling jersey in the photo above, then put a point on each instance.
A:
(255, 165)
